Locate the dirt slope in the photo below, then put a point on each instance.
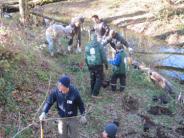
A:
(149, 17)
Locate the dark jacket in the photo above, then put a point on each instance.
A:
(75, 31)
(119, 65)
(67, 104)
(95, 54)
(101, 29)
(118, 38)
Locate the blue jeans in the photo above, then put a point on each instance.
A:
(51, 44)
(56, 44)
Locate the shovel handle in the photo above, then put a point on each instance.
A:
(42, 129)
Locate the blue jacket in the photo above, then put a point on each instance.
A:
(119, 65)
(67, 104)
(117, 59)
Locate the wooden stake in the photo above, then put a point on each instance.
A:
(42, 129)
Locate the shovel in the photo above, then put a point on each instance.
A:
(42, 129)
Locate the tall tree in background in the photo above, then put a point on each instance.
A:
(24, 11)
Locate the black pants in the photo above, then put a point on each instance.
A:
(96, 75)
(114, 79)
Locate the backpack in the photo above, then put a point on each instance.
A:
(93, 53)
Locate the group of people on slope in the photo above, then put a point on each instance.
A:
(59, 36)
(96, 52)
(65, 95)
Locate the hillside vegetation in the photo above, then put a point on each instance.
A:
(27, 72)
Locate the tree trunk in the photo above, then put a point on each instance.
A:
(23, 9)
(10, 7)
(157, 78)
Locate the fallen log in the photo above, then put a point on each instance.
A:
(155, 77)
(32, 2)
(163, 53)
(13, 6)
(10, 2)
(44, 16)
(9, 8)
(160, 81)
(42, 2)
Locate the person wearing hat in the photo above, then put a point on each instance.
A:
(110, 130)
(76, 31)
(68, 101)
(119, 66)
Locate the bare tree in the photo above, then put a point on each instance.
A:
(24, 12)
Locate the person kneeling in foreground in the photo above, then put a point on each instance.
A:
(119, 68)
(68, 101)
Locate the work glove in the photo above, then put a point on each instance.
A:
(181, 98)
(130, 50)
(106, 38)
(78, 48)
(69, 48)
(103, 42)
(83, 120)
(106, 66)
(42, 116)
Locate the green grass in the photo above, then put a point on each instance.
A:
(42, 75)
(180, 27)
(138, 86)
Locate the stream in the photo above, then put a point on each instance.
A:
(167, 60)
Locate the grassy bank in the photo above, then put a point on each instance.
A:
(24, 82)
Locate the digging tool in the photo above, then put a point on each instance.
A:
(42, 129)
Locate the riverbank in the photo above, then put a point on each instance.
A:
(24, 84)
